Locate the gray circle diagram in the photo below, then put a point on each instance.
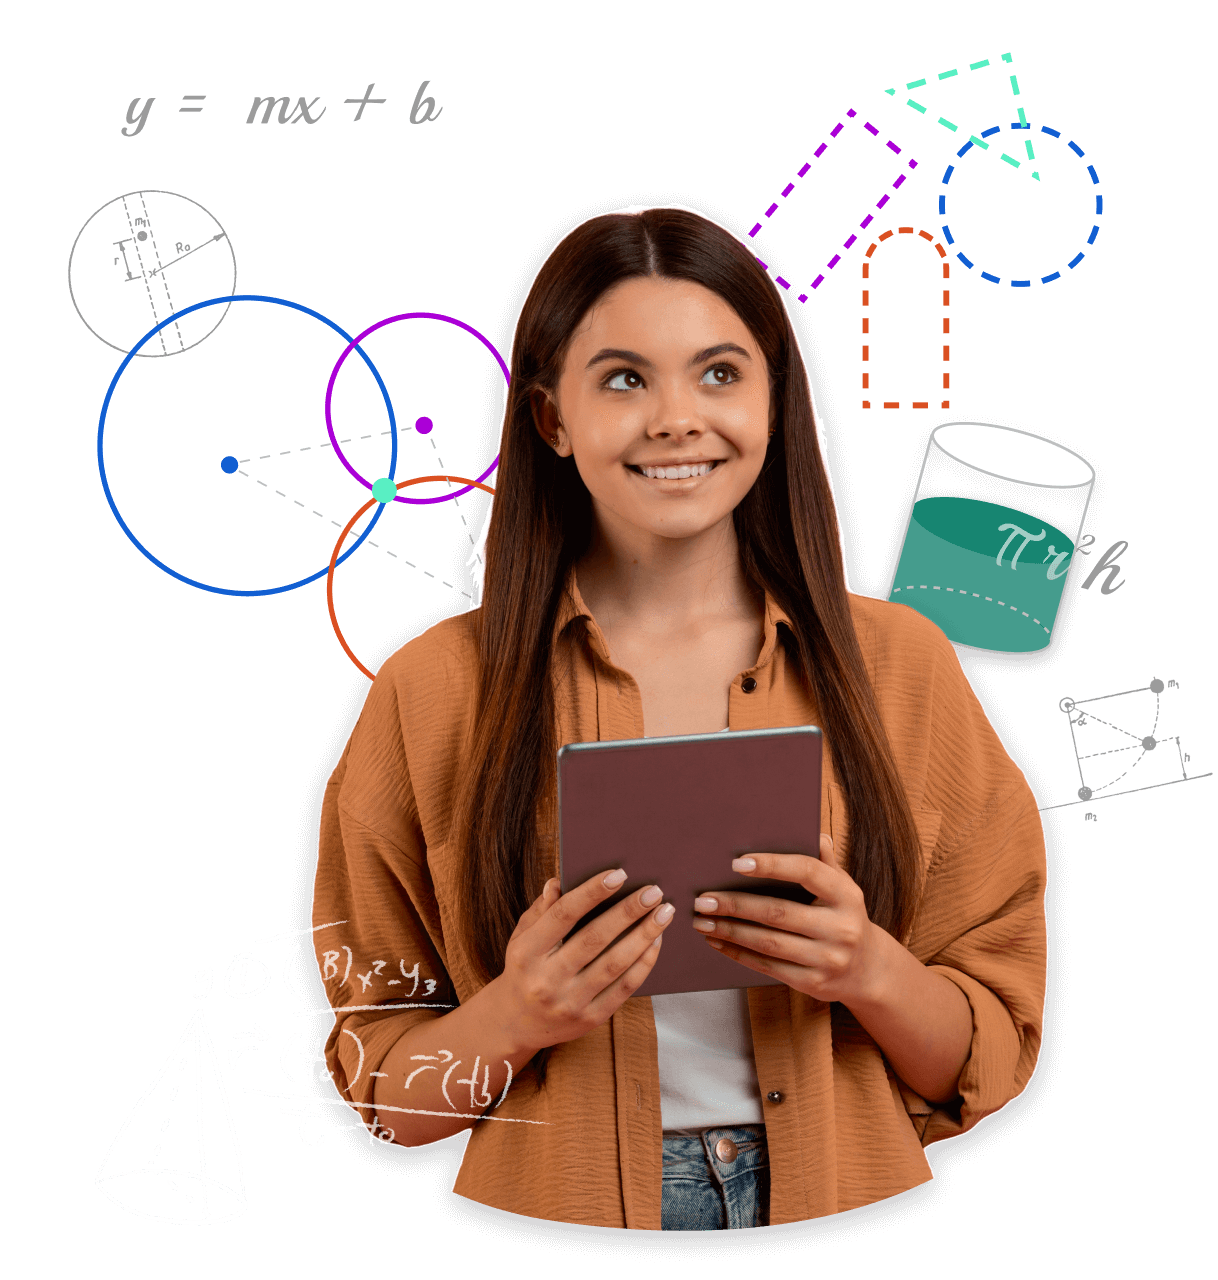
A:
(140, 258)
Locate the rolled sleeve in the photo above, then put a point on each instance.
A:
(378, 938)
(998, 962)
(980, 920)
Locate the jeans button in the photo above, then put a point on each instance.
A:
(726, 1150)
(773, 1096)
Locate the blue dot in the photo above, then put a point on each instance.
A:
(423, 425)
(228, 465)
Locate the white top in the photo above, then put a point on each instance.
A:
(708, 1075)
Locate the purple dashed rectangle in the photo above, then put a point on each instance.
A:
(871, 128)
(786, 191)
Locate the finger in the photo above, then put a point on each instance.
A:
(564, 912)
(828, 855)
(610, 966)
(614, 996)
(796, 868)
(775, 943)
(792, 974)
(778, 913)
(537, 908)
(583, 947)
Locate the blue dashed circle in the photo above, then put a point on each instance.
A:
(1053, 275)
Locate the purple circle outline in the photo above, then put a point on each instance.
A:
(359, 337)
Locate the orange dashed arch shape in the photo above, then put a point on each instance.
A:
(947, 272)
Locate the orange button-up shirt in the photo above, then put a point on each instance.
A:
(587, 1146)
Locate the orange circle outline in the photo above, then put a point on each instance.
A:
(342, 537)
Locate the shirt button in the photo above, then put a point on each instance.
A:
(748, 684)
(726, 1150)
(774, 1096)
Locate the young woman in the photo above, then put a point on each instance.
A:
(663, 558)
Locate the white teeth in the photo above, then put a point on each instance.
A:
(683, 472)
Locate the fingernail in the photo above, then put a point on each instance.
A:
(655, 946)
(704, 926)
(706, 904)
(664, 915)
(744, 864)
(651, 895)
(614, 878)
(714, 942)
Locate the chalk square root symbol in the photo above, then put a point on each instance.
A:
(190, 1173)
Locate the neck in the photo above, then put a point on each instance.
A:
(664, 582)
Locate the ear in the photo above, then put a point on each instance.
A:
(548, 424)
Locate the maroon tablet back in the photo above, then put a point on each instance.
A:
(675, 812)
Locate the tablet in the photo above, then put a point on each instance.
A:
(675, 812)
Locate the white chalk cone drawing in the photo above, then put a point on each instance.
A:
(1122, 740)
(176, 1158)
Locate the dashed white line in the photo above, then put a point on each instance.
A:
(337, 525)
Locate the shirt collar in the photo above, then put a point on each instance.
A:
(572, 606)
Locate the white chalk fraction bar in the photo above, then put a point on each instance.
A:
(176, 1157)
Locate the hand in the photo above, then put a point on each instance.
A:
(828, 950)
(552, 991)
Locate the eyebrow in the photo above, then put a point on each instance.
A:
(633, 357)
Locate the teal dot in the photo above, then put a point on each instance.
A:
(384, 489)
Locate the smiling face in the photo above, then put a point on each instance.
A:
(664, 400)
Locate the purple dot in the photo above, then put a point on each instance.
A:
(423, 425)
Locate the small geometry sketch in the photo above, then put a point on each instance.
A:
(1120, 746)
(176, 1158)
(141, 258)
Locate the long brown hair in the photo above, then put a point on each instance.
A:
(541, 524)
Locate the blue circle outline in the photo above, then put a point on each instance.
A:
(101, 427)
(1018, 126)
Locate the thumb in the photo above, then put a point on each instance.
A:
(540, 905)
(827, 854)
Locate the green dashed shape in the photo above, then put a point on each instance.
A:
(947, 124)
(1036, 175)
(975, 66)
(917, 106)
(915, 84)
(1022, 118)
(985, 146)
(1015, 86)
(1010, 160)
(892, 91)
(947, 75)
(1006, 57)
(1031, 153)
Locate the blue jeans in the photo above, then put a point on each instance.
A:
(702, 1192)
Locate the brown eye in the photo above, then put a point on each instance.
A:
(624, 380)
(719, 375)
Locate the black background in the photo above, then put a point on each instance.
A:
(206, 725)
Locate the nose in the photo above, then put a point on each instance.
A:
(676, 416)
